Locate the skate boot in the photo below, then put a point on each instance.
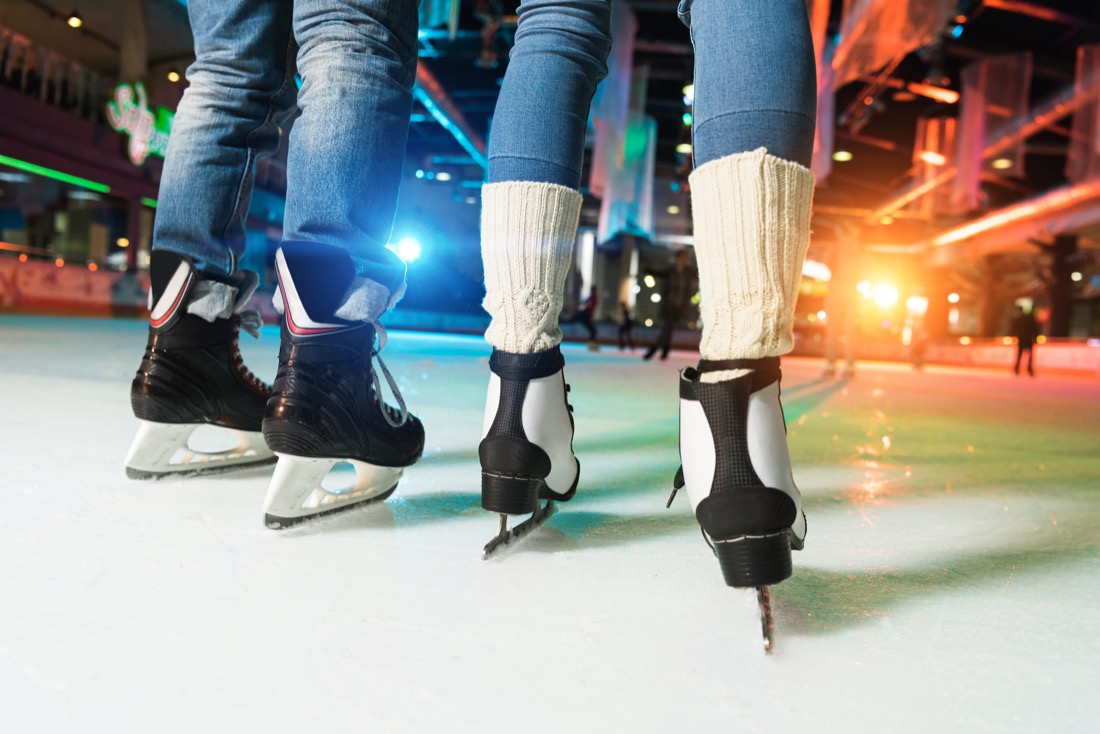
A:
(326, 406)
(737, 470)
(526, 450)
(192, 374)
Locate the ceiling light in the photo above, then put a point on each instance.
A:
(842, 156)
(684, 148)
(442, 176)
(940, 94)
(1002, 164)
(673, 209)
(74, 20)
(932, 157)
(1076, 277)
(173, 76)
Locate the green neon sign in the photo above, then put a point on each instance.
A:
(56, 175)
(129, 113)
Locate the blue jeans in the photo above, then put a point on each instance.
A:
(541, 115)
(357, 60)
(755, 81)
(755, 84)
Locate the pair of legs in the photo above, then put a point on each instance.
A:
(751, 191)
(670, 319)
(1020, 349)
(357, 62)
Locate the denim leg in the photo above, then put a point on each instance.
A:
(558, 59)
(357, 60)
(241, 90)
(755, 82)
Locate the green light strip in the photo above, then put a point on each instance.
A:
(151, 203)
(58, 175)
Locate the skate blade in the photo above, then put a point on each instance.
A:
(161, 450)
(297, 490)
(505, 536)
(767, 621)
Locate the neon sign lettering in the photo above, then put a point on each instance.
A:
(129, 113)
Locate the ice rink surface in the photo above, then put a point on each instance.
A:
(950, 582)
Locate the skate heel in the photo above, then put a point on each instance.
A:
(509, 495)
(755, 560)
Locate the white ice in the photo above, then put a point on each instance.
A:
(950, 581)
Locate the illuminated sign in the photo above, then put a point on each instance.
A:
(129, 113)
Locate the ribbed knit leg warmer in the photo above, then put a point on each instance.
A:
(752, 227)
(527, 234)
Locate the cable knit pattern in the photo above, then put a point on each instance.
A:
(527, 234)
(752, 228)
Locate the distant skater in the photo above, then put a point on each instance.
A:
(626, 327)
(584, 315)
(679, 287)
(1025, 330)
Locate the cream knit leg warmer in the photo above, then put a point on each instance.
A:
(527, 234)
(752, 227)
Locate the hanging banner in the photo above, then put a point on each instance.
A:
(629, 159)
(875, 32)
(933, 150)
(995, 92)
(611, 103)
(1083, 157)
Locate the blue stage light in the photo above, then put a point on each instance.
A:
(408, 249)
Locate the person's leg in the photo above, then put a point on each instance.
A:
(1030, 356)
(357, 60)
(530, 209)
(241, 89)
(751, 193)
(1019, 356)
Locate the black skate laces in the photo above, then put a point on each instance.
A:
(250, 321)
(395, 418)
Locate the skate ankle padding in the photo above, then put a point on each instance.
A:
(321, 274)
(172, 278)
(510, 366)
(746, 511)
(764, 371)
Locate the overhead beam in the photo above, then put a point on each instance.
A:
(430, 93)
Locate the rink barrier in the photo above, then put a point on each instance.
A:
(74, 288)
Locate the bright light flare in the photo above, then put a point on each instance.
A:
(75, 21)
(842, 156)
(650, 281)
(1002, 164)
(917, 305)
(953, 298)
(885, 295)
(408, 249)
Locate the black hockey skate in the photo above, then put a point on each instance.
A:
(326, 407)
(737, 472)
(527, 449)
(192, 375)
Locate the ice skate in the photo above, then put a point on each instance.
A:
(737, 473)
(526, 449)
(326, 406)
(192, 375)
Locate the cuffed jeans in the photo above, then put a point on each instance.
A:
(357, 60)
